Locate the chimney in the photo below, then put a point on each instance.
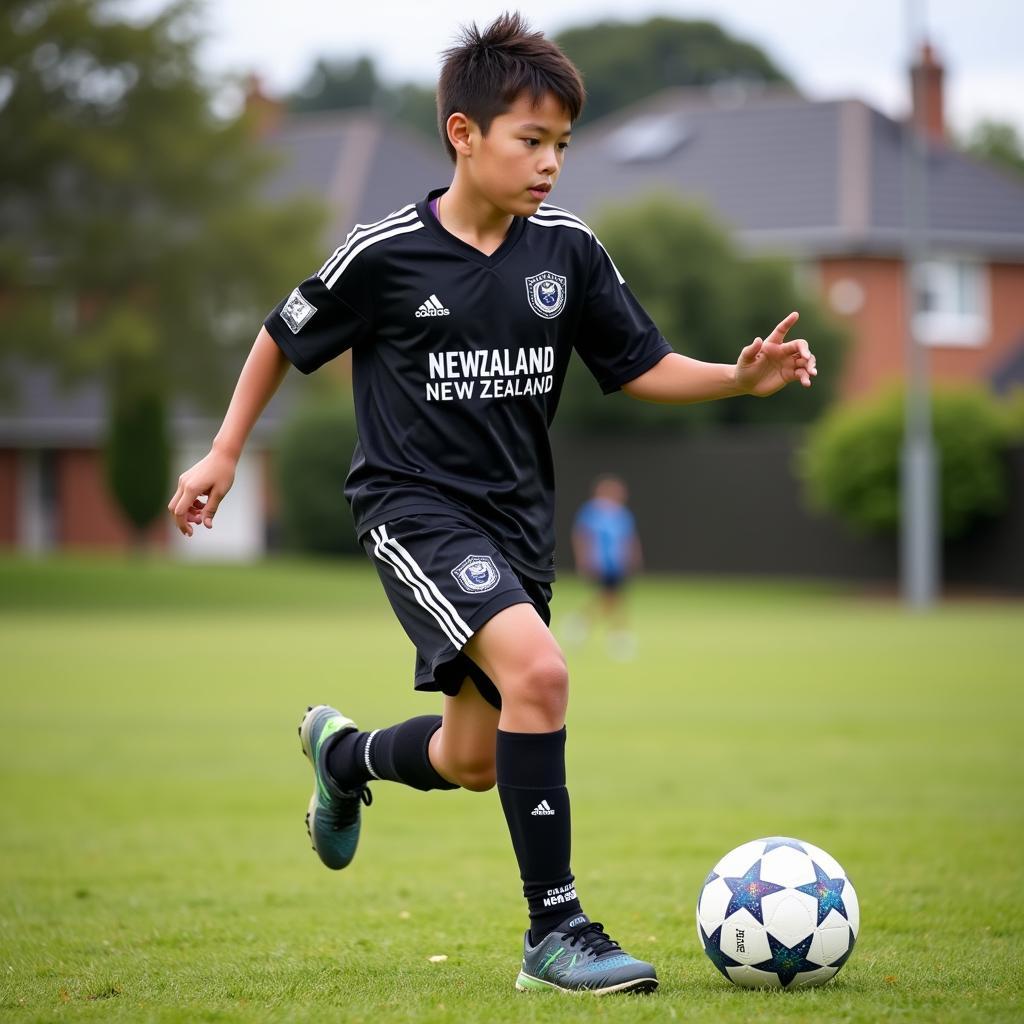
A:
(264, 113)
(926, 85)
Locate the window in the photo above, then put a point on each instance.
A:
(648, 137)
(952, 303)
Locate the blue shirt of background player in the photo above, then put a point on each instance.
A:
(608, 531)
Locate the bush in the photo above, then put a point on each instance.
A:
(138, 457)
(709, 301)
(851, 464)
(312, 462)
(1014, 405)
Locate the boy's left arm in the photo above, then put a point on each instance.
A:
(764, 367)
(579, 552)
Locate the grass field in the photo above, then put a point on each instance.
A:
(155, 867)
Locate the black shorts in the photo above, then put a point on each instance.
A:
(612, 579)
(445, 579)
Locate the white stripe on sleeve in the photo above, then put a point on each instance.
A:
(353, 253)
(361, 231)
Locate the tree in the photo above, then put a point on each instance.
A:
(351, 84)
(997, 142)
(132, 228)
(312, 462)
(709, 302)
(137, 452)
(416, 107)
(622, 63)
(339, 85)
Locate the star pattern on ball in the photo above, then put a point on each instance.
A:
(748, 891)
(788, 961)
(774, 842)
(713, 948)
(827, 891)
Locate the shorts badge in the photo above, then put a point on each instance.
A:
(476, 574)
(546, 292)
(297, 311)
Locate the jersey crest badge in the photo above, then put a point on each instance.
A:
(297, 311)
(546, 292)
(476, 574)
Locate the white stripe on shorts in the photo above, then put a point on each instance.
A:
(424, 598)
(420, 574)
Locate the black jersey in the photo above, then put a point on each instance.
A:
(458, 361)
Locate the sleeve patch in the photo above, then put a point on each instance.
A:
(296, 311)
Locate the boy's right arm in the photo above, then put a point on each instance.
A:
(213, 475)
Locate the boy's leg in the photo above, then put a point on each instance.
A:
(621, 642)
(563, 949)
(517, 651)
(462, 750)
(344, 760)
(449, 751)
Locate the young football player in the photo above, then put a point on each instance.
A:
(461, 311)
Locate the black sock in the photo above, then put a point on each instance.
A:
(531, 783)
(398, 754)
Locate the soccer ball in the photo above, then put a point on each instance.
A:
(778, 913)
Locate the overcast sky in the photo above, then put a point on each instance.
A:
(831, 48)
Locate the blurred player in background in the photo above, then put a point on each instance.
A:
(607, 552)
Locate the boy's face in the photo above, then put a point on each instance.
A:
(612, 490)
(516, 164)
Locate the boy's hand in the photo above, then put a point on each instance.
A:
(211, 478)
(767, 366)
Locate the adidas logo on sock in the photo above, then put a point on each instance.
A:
(433, 307)
(543, 808)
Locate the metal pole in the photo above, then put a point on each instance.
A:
(920, 552)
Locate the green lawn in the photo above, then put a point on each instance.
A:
(155, 866)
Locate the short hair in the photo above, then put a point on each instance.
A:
(485, 72)
(608, 479)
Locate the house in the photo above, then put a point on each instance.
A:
(824, 183)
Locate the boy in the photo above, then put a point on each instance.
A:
(461, 312)
(607, 552)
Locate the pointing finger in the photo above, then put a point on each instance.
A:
(779, 334)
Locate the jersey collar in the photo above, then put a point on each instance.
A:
(457, 245)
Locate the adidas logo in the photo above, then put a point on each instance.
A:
(542, 808)
(433, 307)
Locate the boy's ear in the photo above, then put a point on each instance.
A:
(460, 129)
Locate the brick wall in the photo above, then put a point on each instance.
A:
(879, 327)
(86, 514)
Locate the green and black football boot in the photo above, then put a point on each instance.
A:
(578, 956)
(333, 818)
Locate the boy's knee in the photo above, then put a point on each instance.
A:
(544, 684)
(476, 777)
